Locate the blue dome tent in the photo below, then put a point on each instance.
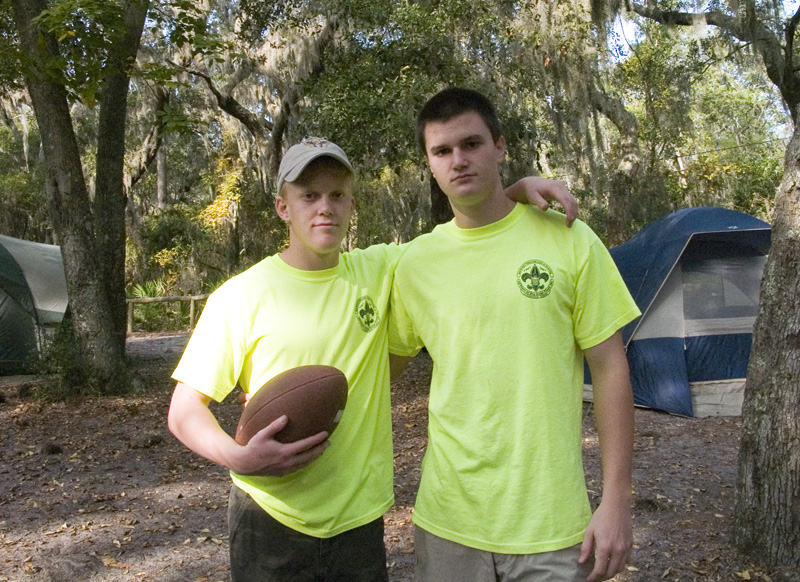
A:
(695, 275)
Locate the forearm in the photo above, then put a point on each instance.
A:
(195, 426)
(613, 404)
(192, 423)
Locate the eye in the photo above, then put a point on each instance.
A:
(472, 144)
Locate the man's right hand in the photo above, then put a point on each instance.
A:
(264, 455)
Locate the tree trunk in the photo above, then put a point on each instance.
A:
(109, 202)
(100, 360)
(161, 176)
(624, 177)
(767, 516)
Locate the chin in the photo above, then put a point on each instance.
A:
(327, 247)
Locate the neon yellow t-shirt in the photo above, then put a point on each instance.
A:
(505, 311)
(272, 318)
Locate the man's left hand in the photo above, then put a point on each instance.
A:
(610, 534)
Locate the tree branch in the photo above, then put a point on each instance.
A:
(791, 28)
(674, 18)
(310, 64)
(141, 160)
(238, 76)
(752, 30)
(257, 126)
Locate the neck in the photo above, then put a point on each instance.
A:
(484, 212)
(306, 260)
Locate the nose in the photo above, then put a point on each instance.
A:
(325, 206)
(459, 159)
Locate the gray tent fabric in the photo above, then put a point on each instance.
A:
(33, 297)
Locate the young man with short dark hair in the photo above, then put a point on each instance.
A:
(508, 302)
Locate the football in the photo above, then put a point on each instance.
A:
(312, 397)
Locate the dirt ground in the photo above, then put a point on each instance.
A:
(100, 490)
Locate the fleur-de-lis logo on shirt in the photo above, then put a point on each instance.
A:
(535, 279)
(367, 313)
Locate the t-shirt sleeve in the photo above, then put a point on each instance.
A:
(213, 358)
(389, 253)
(603, 304)
(403, 337)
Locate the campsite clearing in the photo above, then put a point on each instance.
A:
(107, 494)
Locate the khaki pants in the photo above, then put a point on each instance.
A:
(440, 560)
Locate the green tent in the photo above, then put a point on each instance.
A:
(33, 299)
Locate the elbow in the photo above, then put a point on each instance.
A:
(172, 421)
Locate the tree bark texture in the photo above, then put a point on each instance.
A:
(767, 517)
(99, 354)
(161, 177)
(109, 200)
(624, 177)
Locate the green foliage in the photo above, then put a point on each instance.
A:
(222, 212)
(23, 205)
(709, 125)
(187, 26)
(86, 32)
(166, 243)
(10, 78)
(395, 206)
(380, 75)
(698, 117)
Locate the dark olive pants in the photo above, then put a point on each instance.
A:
(265, 550)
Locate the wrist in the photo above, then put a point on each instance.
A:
(234, 458)
(618, 495)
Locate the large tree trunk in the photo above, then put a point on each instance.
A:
(100, 359)
(767, 516)
(109, 200)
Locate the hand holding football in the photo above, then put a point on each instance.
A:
(312, 397)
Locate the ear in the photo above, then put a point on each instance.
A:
(282, 209)
(500, 146)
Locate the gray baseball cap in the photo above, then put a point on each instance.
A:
(297, 158)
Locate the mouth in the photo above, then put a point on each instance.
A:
(462, 178)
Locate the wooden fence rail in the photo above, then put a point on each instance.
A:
(192, 299)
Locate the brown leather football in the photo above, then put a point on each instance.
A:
(312, 397)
